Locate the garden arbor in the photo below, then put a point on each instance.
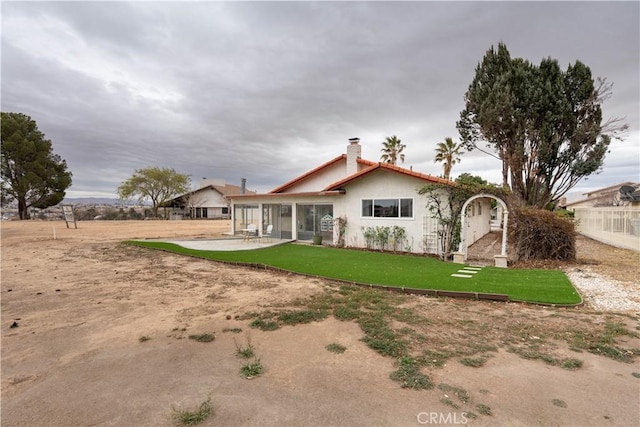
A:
(461, 255)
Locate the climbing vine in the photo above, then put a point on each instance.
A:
(445, 204)
(340, 225)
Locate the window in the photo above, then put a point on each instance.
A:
(225, 211)
(406, 208)
(387, 208)
(367, 208)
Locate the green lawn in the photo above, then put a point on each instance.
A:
(540, 286)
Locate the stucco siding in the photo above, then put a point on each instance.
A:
(478, 220)
(208, 198)
(383, 185)
(320, 180)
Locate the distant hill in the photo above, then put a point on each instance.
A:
(95, 201)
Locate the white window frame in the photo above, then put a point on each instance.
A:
(399, 199)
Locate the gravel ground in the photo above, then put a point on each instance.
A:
(607, 277)
(604, 293)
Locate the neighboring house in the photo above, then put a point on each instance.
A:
(210, 201)
(624, 194)
(610, 215)
(364, 193)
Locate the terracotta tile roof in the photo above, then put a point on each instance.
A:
(280, 195)
(366, 162)
(393, 168)
(335, 188)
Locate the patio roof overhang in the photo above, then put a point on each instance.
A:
(239, 197)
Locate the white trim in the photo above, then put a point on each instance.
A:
(399, 199)
(505, 212)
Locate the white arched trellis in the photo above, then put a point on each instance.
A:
(462, 248)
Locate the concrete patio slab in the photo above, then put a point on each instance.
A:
(226, 244)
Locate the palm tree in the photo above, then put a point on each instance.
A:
(392, 150)
(448, 153)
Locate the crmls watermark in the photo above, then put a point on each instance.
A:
(444, 418)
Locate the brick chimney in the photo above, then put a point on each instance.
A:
(354, 152)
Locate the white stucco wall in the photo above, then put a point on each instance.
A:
(208, 198)
(205, 198)
(323, 178)
(320, 180)
(383, 185)
(478, 220)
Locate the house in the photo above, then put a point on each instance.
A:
(626, 193)
(209, 201)
(364, 194)
(610, 215)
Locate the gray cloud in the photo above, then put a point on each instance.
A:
(268, 90)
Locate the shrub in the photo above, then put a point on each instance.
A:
(369, 235)
(382, 237)
(398, 238)
(541, 234)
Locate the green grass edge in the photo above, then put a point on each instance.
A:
(561, 294)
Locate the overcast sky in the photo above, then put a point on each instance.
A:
(266, 91)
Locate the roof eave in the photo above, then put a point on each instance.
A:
(375, 166)
(322, 193)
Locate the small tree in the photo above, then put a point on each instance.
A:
(155, 184)
(31, 173)
(392, 149)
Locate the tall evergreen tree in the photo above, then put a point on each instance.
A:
(543, 123)
(31, 173)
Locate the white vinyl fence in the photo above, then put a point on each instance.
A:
(618, 227)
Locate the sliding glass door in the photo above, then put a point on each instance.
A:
(278, 216)
(314, 219)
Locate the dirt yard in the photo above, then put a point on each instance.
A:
(96, 333)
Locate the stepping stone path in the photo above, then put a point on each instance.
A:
(466, 272)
